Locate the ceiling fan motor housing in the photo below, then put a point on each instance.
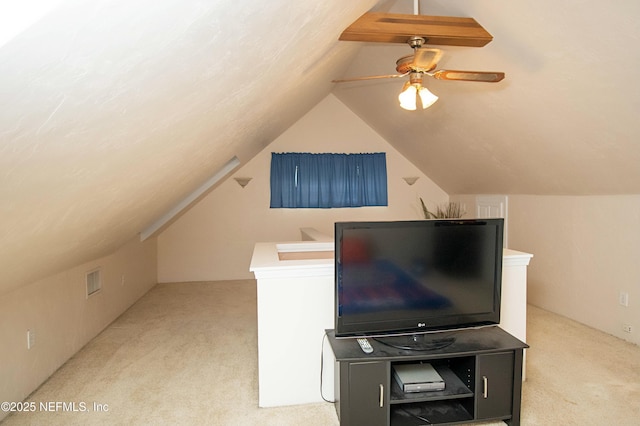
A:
(415, 78)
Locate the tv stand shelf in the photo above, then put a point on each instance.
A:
(482, 371)
(455, 388)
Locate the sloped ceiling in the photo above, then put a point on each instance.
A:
(564, 120)
(113, 111)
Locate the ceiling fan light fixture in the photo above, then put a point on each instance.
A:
(408, 97)
(426, 97)
(414, 94)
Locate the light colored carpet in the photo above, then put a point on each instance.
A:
(577, 375)
(186, 354)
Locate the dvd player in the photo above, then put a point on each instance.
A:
(418, 378)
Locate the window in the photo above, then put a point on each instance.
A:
(304, 180)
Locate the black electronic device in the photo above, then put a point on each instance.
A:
(409, 277)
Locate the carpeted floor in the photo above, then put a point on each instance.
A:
(577, 375)
(186, 354)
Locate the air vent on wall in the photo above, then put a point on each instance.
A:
(94, 282)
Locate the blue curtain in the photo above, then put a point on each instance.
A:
(304, 180)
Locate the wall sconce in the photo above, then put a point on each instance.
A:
(410, 180)
(243, 181)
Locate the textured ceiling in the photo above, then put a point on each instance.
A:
(112, 111)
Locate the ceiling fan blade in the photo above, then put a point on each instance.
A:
(481, 76)
(373, 77)
(425, 59)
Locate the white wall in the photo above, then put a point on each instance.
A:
(214, 240)
(587, 250)
(63, 318)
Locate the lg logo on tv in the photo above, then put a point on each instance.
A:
(422, 324)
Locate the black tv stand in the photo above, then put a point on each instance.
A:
(418, 342)
(481, 368)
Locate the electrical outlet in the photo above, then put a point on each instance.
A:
(31, 338)
(626, 328)
(623, 298)
(122, 281)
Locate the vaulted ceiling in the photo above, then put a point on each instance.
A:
(112, 111)
(562, 122)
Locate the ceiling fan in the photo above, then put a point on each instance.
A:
(392, 28)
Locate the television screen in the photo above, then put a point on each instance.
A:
(414, 276)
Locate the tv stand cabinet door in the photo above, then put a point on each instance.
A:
(368, 394)
(494, 385)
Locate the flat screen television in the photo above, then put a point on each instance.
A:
(408, 278)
